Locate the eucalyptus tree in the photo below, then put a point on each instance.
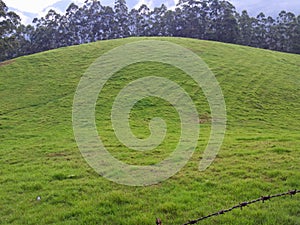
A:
(144, 18)
(223, 25)
(157, 22)
(107, 23)
(271, 41)
(246, 31)
(296, 37)
(171, 23)
(193, 21)
(93, 22)
(259, 39)
(286, 30)
(9, 23)
(121, 27)
(71, 25)
(133, 22)
(46, 34)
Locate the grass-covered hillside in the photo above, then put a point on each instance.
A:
(260, 154)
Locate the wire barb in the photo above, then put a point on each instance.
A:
(293, 192)
(265, 198)
(158, 221)
(243, 204)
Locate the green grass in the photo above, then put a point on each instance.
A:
(260, 154)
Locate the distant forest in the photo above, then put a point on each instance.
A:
(202, 19)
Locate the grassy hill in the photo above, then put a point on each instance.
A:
(260, 154)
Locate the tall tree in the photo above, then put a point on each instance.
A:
(46, 35)
(25, 40)
(121, 28)
(144, 18)
(223, 22)
(108, 22)
(295, 48)
(286, 27)
(157, 21)
(270, 33)
(194, 18)
(246, 32)
(9, 23)
(70, 26)
(259, 39)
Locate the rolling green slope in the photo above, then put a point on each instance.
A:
(260, 154)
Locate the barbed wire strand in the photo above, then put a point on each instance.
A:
(243, 204)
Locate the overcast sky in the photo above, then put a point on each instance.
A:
(37, 8)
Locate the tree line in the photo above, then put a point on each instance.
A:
(215, 20)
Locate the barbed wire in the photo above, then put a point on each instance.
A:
(242, 205)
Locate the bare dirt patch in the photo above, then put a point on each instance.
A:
(205, 119)
(58, 154)
(6, 62)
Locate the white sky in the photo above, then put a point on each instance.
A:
(150, 3)
(33, 6)
(36, 7)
